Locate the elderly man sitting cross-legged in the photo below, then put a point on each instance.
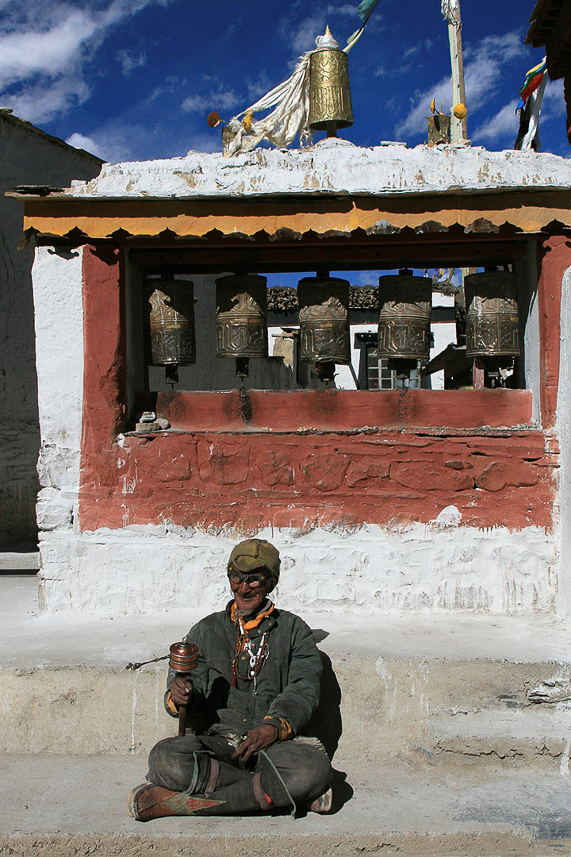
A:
(252, 693)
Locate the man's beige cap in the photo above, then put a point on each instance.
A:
(254, 553)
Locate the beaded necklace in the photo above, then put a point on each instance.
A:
(247, 663)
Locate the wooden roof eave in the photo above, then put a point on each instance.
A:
(527, 209)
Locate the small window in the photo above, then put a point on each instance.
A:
(380, 377)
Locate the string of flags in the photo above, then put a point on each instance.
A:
(532, 82)
(529, 107)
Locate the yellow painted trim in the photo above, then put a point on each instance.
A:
(101, 218)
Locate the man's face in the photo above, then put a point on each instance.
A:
(250, 598)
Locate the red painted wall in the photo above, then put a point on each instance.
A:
(251, 480)
(555, 258)
(429, 450)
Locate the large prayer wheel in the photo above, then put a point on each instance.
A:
(241, 307)
(324, 320)
(405, 304)
(329, 91)
(171, 322)
(492, 315)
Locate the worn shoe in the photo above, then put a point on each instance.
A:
(148, 801)
(323, 803)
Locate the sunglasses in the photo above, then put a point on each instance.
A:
(252, 580)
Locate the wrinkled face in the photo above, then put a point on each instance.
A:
(250, 592)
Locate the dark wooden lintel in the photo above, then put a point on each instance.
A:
(347, 256)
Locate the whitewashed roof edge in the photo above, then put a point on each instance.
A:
(331, 167)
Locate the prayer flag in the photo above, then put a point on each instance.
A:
(366, 8)
(532, 82)
(364, 11)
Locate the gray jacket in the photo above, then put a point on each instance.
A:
(287, 684)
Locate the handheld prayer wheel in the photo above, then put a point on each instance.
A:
(183, 658)
(405, 304)
(241, 307)
(324, 320)
(329, 91)
(492, 316)
(171, 322)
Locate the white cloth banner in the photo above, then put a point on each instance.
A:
(536, 99)
(282, 125)
(451, 11)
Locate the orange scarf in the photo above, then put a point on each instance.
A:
(251, 623)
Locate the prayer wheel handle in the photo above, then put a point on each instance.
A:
(183, 658)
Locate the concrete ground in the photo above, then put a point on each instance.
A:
(440, 752)
(390, 808)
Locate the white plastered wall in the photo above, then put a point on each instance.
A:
(58, 310)
(374, 570)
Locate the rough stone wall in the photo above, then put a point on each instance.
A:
(28, 157)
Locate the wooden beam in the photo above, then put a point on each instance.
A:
(348, 256)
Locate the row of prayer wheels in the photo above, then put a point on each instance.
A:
(405, 304)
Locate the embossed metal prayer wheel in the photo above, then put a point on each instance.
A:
(241, 307)
(183, 658)
(405, 304)
(171, 322)
(329, 91)
(324, 320)
(492, 315)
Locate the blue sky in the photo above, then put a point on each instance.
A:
(135, 79)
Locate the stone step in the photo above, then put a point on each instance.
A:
(70, 805)
(366, 712)
(20, 561)
(527, 735)
(451, 686)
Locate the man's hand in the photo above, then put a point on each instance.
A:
(180, 690)
(256, 740)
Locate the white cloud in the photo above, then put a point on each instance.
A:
(503, 124)
(554, 99)
(45, 51)
(44, 100)
(483, 66)
(130, 60)
(349, 9)
(259, 87)
(415, 122)
(123, 140)
(87, 143)
(301, 34)
(221, 100)
(23, 55)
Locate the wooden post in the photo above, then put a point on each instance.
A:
(451, 11)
